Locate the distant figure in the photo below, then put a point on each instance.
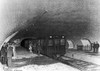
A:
(4, 53)
(30, 46)
(34, 48)
(92, 44)
(95, 47)
(9, 55)
(14, 49)
(38, 47)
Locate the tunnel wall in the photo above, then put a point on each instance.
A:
(82, 17)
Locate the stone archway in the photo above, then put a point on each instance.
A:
(25, 41)
(86, 44)
(69, 44)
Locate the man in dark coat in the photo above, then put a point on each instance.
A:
(97, 46)
(9, 55)
(38, 47)
(4, 53)
(93, 46)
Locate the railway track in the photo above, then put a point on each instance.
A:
(79, 64)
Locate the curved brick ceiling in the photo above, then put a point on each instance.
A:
(73, 18)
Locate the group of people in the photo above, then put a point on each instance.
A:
(6, 53)
(95, 47)
(35, 47)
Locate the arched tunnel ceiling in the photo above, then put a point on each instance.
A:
(73, 18)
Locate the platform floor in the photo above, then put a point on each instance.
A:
(38, 63)
(85, 61)
(84, 56)
(27, 61)
(23, 53)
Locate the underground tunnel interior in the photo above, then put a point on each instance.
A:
(72, 18)
(75, 19)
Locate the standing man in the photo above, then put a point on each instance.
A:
(97, 46)
(34, 47)
(9, 55)
(30, 46)
(92, 44)
(94, 49)
(4, 53)
(38, 47)
(14, 49)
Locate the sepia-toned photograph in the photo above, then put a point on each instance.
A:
(49, 35)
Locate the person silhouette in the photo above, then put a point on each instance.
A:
(96, 47)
